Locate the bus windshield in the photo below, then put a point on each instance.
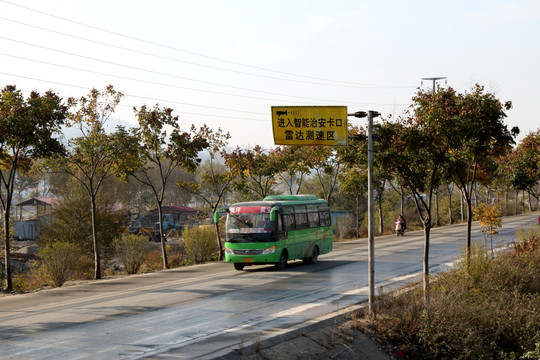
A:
(249, 224)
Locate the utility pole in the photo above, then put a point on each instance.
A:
(434, 79)
(371, 226)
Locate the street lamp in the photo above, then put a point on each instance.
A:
(371, 237)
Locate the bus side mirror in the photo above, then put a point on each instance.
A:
(273, 213)
(218, 213)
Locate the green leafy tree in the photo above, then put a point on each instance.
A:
(522, 165)
(356, 155)
(70, 221)
(293, 164)
(417, 153)
(96, 155)
(253, 171)
(28, 130)
(214, 178)
(478, 134)
(162, 149)
(353, 180)
(326, 163)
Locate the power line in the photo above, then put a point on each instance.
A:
(169, 85)
(157, 72)
(135, 96)
(197, 64)
(138, 80)
(189, 52)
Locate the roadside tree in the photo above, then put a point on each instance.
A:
(96, 155)
(253, 171)
(478, 135)
(418, 153)
(522, 165)
(162, 147)
(293, 165)
(214, 178)
(29, 129)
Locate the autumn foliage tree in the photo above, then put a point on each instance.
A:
(253, 171)
(522, 165)
(96, 155)
(162, 147)
(28, 131)
(477, 134)
(215, 178)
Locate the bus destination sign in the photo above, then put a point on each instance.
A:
(310, 125)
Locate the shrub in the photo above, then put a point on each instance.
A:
(153, 261)
(528, 240)
(60, 260)
(132, 251)
(71, 222)
(200, 243)
(489, 309)
(344, 227)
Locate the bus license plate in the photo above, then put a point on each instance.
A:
(247, 259)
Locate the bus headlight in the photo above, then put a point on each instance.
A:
(270, 250)
(228, 251)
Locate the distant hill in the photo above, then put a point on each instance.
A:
(110, 126)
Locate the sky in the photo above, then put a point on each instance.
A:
(226, 63)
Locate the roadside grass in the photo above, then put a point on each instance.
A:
(487, 310)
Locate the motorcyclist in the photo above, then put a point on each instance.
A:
(402, 222)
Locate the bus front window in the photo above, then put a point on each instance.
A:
(249, 227)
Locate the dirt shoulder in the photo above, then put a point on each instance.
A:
(335, 337)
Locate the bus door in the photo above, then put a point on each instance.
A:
(289, 234)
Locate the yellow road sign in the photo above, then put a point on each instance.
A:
(310, 125)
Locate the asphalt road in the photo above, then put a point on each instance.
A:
(207, 311)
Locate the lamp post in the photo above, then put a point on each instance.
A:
(434, 79)
(371, 237)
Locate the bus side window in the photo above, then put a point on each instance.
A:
(313, 219)
(288, 222)
(301, 221)
(325, 218)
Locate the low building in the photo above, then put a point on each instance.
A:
(30, 214)
(175, 217)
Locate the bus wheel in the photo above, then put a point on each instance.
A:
(282, 264)
(313, 258)
(314, 255)
(239, 266)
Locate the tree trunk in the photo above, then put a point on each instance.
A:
(468, 200)
(506, 202)
(220, 246)
(381, 221)
(402, 199)
(427, 227)
(516, 204)
(97, 260)
(462, 208)
(437, 219)
(9, 283)
(162, 237)
(450, 219)
(357, 217)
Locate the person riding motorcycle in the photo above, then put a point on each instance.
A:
(401, 225)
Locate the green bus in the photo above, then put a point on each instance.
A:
(277, 229)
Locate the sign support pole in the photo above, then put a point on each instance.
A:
(371, 227)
